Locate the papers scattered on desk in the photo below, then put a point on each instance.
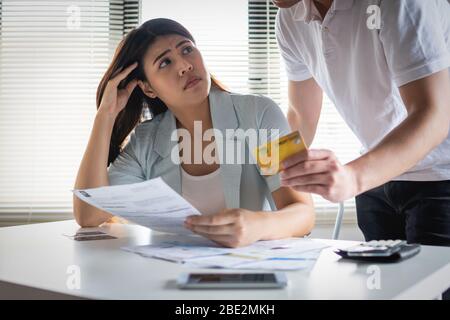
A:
(152, 204)
(285, 254)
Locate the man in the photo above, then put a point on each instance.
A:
(384, 64)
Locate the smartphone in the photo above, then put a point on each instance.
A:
(231, 280)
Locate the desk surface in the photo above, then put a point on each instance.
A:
(37, 257)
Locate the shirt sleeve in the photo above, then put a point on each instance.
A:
(296, 70)
(273, 118)
(414, 35)
(126, 168)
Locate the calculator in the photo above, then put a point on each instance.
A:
(382, 250)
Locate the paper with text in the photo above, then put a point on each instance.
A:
(283, 254)
(151, 203)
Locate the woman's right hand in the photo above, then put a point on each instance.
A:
(115, 99)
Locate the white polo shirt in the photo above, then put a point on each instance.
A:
(360, 69)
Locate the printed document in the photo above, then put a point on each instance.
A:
(151, 203)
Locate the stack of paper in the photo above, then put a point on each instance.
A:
(285, 254)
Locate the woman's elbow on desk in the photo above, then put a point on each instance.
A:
(87, 216)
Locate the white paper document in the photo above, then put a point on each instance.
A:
(176, 253)
(285, 254)
(151, 203)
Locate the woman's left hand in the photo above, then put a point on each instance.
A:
(230, 228)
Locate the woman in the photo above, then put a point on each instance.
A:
(158, 65)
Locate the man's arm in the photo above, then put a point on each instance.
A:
(427, 101)
(305, 104)
(426, 126)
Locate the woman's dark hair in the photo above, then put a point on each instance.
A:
(131, 49)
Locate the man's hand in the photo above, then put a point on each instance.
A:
(285, 3)
(319, 172)
(230, 228)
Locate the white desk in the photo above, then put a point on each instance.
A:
(34, 260)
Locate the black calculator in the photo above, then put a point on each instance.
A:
(380, 250)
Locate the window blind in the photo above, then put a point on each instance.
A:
(52, 56)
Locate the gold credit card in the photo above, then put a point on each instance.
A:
(270, 155)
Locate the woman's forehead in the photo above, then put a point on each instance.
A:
(163, 43)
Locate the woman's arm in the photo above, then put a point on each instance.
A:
(93, 171)
(294, 218)
(93, 168)
(240, 227)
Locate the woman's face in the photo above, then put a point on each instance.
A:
(175, 72)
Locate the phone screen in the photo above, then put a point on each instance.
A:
(231, 278)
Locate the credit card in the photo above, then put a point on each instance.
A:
(270, 155)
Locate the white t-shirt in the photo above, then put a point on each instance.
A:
(361, 68)
(204, 192)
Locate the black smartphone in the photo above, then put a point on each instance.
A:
(231, 280)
